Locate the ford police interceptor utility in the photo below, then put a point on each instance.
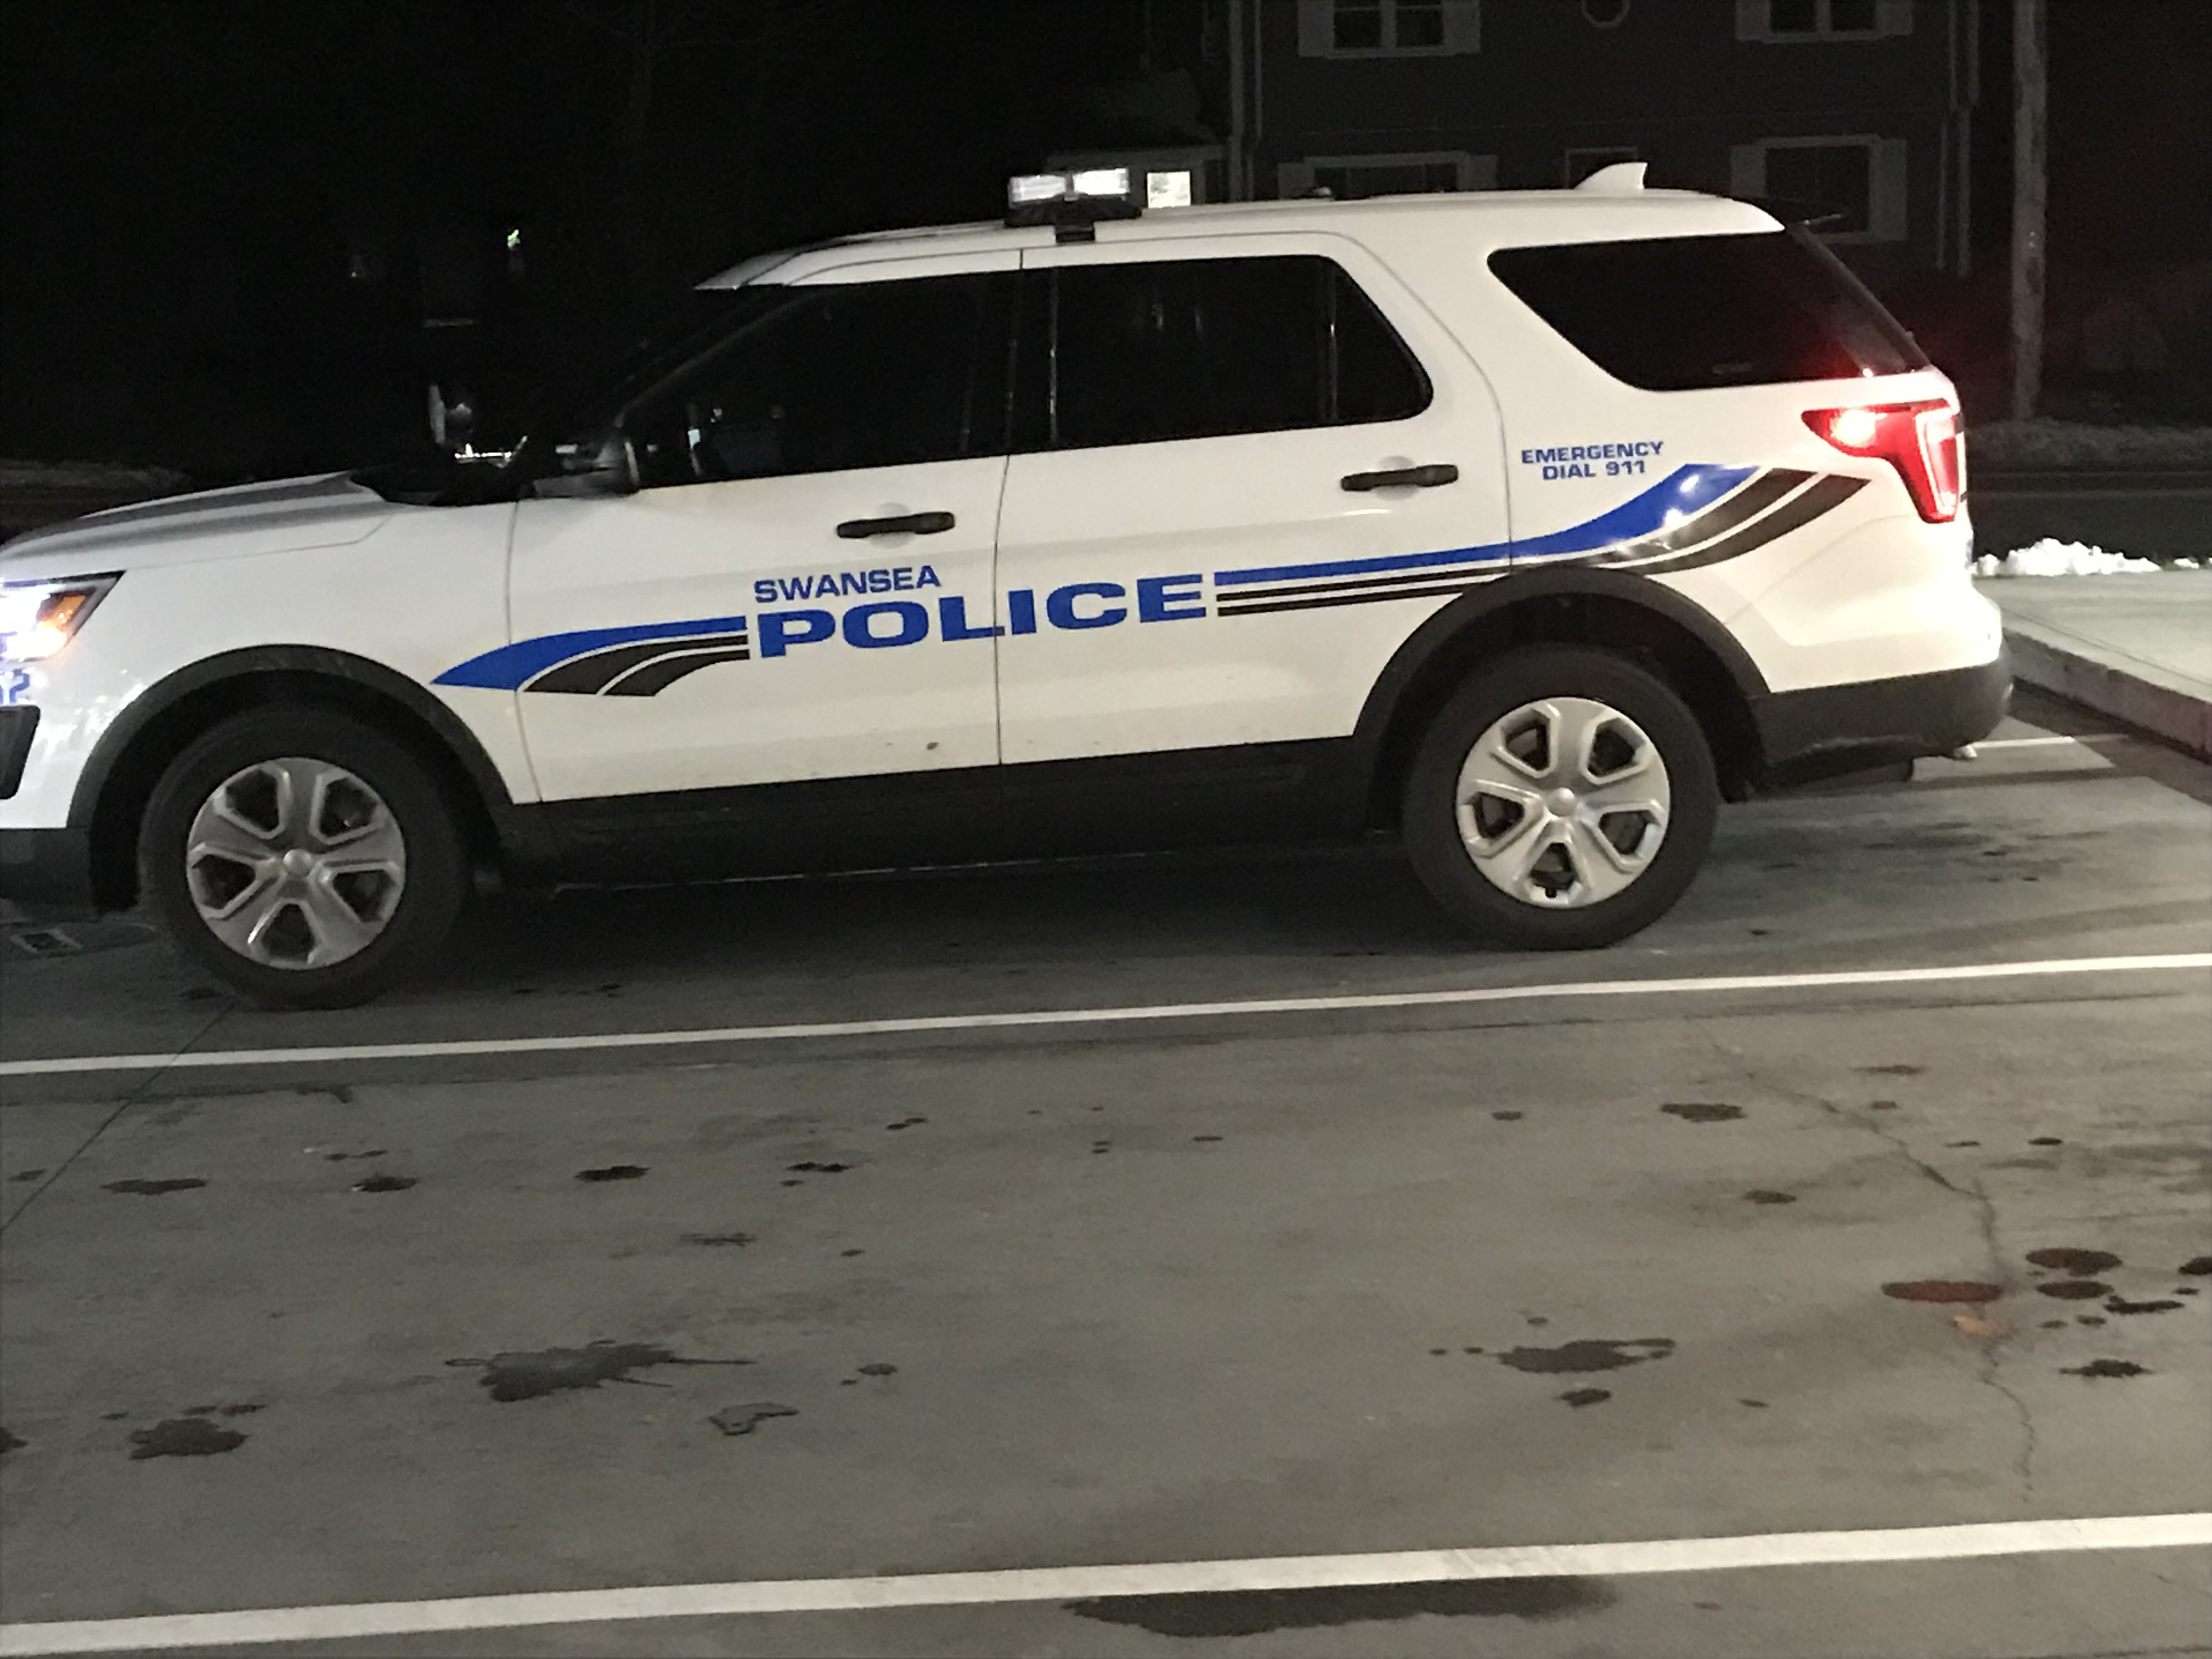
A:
(1530, 525)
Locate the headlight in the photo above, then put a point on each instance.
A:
(39, 618)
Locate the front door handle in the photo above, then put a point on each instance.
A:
(908, 523)
(1404, 478)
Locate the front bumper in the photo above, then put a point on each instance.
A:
(1830, 730)
(48, 871)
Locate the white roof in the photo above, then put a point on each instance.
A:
(1488, 218)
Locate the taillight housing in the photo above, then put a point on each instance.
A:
(1920, 440)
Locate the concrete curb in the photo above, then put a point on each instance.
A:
(2137, 693)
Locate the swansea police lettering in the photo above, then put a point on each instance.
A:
(833, 584)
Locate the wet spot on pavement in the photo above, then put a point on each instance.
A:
(1958, 1145)
(384, 1183)
(852, 1253)
(2108, 1368)
(2054, 1324)
(2120, 1305)
(243, 1410)
(154, 1188)
(342, 1158)
(2076, 1290)
(1580, 1397)
(2088, 1319)
(1204, 1139)
(2045, 1141)
(906, 1123)
(2080, 1264)
(1896, 1068)
(720, 1239)
(878, 1368)
(1756, 1405)
(11, 1443)
(27, 1175)
(530, 1376)
(1440, 1352)
(1508, 1117)
(1944, 1289)
(1203, 1613)
(1701, 1111)
(1102, 1146)
(1882, 1105)
(184, 1436)
(2196, 1264)
(812, 1168)
(612, 1172)
(1589, 1354)
(744, 1420)
(1768, 1195)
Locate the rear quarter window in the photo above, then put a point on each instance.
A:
(1678, 314)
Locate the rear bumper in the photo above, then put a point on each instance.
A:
(1829, 729)
(48, 871)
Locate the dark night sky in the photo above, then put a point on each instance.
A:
(185, 187)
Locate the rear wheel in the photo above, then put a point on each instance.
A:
(1562, 800)
(307, 860)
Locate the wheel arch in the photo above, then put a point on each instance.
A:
(1674, 636)
(119, 777)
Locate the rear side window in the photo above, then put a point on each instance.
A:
(1680, 312)
(1205, 348)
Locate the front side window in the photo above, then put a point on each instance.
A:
(835, 379)
(1206, 348)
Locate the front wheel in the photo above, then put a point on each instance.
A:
(1562, 800)
(305, 858)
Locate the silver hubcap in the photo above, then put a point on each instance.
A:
(1562, 802)
(295, 863)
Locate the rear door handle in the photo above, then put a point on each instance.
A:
(908, 523)
(1404, 478)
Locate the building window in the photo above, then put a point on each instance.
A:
(1351, 177)
(1388, 29)
(1785, 21)
(1584, 162)
(1853, 189)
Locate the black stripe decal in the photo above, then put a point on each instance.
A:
(1235, 600)
(1722, 517)
(588, 674)
(1831, 492)
(1318, 601)
(659, 675)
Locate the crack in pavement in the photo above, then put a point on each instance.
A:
(130, 1098)
(1986, 1357)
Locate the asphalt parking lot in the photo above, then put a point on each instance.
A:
(723, 1257)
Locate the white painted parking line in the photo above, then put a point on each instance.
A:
(333, 1054)
(2045, 743)
(945, 1590)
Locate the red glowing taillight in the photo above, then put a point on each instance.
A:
(1920, 440)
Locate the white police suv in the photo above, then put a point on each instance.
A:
(1528, 523)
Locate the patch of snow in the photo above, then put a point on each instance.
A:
(2052, 557)
(2184, 564)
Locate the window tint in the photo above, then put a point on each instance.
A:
(1679, 313)
(836, 379)
(1203, 348)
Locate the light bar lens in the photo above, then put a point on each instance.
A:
(1030, 188)
(1103, 181)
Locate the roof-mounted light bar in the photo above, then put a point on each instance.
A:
(1071, 202)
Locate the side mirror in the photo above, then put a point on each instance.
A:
(604, 464)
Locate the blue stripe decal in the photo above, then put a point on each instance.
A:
(1685, 490)
(507, 668)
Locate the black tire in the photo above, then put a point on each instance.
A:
(429, 894)
(1430, 823)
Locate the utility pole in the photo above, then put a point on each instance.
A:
(2030, 172)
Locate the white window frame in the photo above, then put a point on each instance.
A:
(1612, 153)
(1294, 179)
(1754, 21)
(1462, 27)
(1888, 196)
